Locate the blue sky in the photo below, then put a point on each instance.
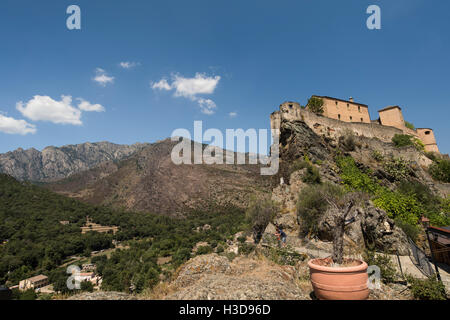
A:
(248, 57)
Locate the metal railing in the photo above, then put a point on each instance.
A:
(421, 260)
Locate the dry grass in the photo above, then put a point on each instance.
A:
(60, 296)
(158, 292)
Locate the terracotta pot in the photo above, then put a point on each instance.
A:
(339, 283)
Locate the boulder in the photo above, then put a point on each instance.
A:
(371, 227)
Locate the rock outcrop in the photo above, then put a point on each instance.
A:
(214, 277)
(371, 228)
(54, 163)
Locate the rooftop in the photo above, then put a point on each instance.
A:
(346, 101)
(37, 278)
(389, 108)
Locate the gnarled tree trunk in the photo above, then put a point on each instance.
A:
(338, 240)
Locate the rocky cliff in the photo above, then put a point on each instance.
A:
(372, 226)
(55, 163)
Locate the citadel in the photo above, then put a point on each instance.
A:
(342, 115)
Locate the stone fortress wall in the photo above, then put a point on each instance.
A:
(340, 116)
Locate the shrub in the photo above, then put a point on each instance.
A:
(315, 105)
(347, 141)
(440, 170)
(396, 204)
(312, 175)
(86, 286)
(28, 295)
(246, 248)
(311, 206)
(283, 256)
(397, 168)
(402, 140)
(377, 156)
(242, 239)
(353, 178)
(427, 289)
(259, 213)
(431, 155)
(297, 165)
(204, 250)
(409, 125)
(399, 206)
(383, 261)
(411, 230)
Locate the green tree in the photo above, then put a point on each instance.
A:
(28, 295)
(260, 213)
(86, 286)
(315, 105)
(409, 125)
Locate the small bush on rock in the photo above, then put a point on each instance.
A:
(311, 206)
(259, 213)
(427, 289)
(398, 168)
(204, 250)
(402, 140)
(440, 170)
(383, 261)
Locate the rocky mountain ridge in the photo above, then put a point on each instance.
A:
(150, 181)
(54, 163)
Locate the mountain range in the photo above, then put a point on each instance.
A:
(138, 177)
(53, 163)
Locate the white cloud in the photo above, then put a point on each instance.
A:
(161, 85)
(102, 78)
(87, 106)
(192, 87)
(14, 126)
(232, 114)
(207, 106)
(44, 108)
(128, 64)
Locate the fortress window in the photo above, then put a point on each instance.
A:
(362, 120)
(339, 116)
(359, 109)
(336, 102)
(290, 106)
(427, 132)
(348, 106)
(351, 118)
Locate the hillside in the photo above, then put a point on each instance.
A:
(54, 163)
(33, 241)
(149, 181)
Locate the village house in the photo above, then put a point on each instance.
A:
(33, 283)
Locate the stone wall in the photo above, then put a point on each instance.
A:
(333, 128)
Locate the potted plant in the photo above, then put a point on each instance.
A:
(336, 277)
